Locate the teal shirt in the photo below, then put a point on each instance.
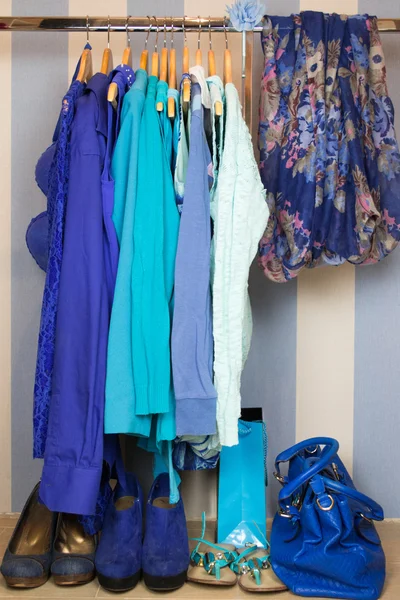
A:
(155, 237)
(120, 410)
(159, 164)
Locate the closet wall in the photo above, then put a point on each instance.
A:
(326, 352)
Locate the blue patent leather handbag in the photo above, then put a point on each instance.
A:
(323, 540)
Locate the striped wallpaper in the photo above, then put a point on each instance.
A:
(325, 353)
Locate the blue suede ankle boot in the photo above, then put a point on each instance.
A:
(119, 553)
(166, 546)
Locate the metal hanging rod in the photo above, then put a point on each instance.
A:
(71, 24)
(135, 24)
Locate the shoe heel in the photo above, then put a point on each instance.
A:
(79, 579)
(124, 584)
(164, 584)
(26, 582)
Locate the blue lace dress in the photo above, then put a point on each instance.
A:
(56, 204)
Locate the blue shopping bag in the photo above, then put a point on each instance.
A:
(242, 510)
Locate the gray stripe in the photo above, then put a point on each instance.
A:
(385, 8)
(174, 8)
(39, 80)
(377, 349)
(274, 7)
(376, 383)
(269, 378)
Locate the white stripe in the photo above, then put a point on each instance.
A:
(325, 356)
(348, 7)
(325, 334)
(5, 266)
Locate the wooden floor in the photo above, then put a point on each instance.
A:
(389, 531)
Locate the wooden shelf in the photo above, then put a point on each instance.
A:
(389, 531)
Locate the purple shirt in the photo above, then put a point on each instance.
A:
(54, 162)
(192, 341)
(74, 449)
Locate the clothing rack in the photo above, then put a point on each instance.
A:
(177, 24)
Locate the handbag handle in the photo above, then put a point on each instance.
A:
(373, 509)
(326, 458)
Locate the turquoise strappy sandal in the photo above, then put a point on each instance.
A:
(211, 567)
(254, 570)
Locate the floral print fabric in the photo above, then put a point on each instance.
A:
(329, 157)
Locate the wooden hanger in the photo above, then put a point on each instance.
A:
(172, 74)
(145, 53)
(185, 69)
(154, 58)
(227, 59)
(127, 55)
(86, 65)
(164, 65)
(212, 69)
(199, 56)
(107, 60)
(126, 60)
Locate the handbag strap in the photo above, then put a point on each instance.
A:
(371, 509)
(325, 459)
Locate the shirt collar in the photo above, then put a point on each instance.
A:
(126, 72)
(98, 84)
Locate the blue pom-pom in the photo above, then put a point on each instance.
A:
(245, 15)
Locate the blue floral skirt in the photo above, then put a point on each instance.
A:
(329, 158)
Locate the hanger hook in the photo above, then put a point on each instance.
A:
(87, 28)
(172, 32)
(226, 35)
(184, 30)
(165, 33)
(209, 31)
(108, 32)
(198, 37)
(157, 30)
(128, 37)
(148, 33)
